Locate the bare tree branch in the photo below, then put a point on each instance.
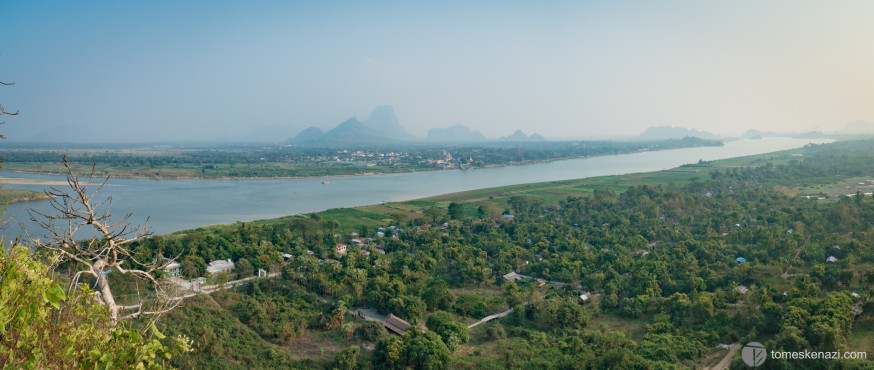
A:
(107, 250)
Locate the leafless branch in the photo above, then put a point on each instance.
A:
(75, 210)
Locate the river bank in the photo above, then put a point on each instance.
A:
(21, 195)
(185, 204)
(143, 167)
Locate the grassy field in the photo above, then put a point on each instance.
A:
(20, 195)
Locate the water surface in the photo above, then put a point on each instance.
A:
(184, 204)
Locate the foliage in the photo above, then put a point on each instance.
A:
(658, 258)
(371, 330)
(452, 333)
(348, 359)
(42, 327)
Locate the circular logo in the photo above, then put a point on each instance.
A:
(754, 354)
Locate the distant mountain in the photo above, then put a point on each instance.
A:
(350, 132)
(516, 136)
(383, 119)
(310, 134)
(760, 134)
(454, 133)
(670, 132)
(857, 127)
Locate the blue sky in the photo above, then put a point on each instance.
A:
(204, 70)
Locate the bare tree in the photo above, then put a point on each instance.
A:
(3, 111)
(107, 251)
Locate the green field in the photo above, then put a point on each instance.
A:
(20, 195)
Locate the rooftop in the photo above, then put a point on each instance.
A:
(396, 324)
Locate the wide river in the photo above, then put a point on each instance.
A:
(184, 204)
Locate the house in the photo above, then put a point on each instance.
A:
(341, 249)
(173, 269)
(831, 259)
(507, 216)
(585, 297)
(219, 266)
(742, 289)
(540, 282)
(364, 252)
(356, 242)
(287, 256)
(396, 325)
(513, 276)
(522, 263)
(740, 259)
(310, 253)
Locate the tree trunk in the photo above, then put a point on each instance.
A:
(104, 291)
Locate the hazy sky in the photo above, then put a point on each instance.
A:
(183, 70)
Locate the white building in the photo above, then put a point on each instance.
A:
(216, 267)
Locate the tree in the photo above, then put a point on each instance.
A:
(347, 359)
(390, 352)
(244, 268)
(108, 251)
(426, 350)
(434, 214)
(398, 218)
(456, 211)
(3, 111)
(42, 327)
(371, 330)
(438, 296)
(453, 333)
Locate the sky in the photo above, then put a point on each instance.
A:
(220, 70)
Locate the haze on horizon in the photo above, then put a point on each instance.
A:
(211, 70)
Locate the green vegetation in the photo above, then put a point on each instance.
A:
(240, 161)
(20, 195)
(656, 253)
(671, 264)
(42, 327)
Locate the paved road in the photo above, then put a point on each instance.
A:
(186, 286)
(492, 317)
(722, 365)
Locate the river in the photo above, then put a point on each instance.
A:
(185, 204)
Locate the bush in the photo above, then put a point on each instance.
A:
(371, 330)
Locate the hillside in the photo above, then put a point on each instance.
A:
(615, 240)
